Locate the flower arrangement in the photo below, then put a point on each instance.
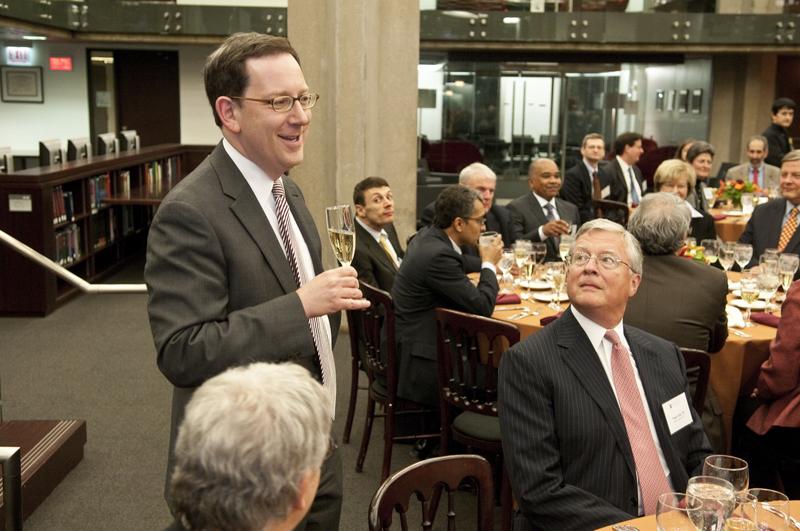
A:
(693, 252)
(732, 191)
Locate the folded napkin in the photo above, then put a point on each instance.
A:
(507, 298)
(544, 321)
(718, 217)
(765, 319)
(735, 318)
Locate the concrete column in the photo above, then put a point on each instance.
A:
(361, 56)
(744, 88)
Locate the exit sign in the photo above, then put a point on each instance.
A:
(61, 63)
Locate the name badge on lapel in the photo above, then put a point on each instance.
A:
(677, 412)
(605, 192)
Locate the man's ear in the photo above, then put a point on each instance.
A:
(228, 113)
(458, 224)
(306, 490)
(360, 211)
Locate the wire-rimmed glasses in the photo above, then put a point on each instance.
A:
(285, 103)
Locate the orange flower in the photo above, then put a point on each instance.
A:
(739, 186)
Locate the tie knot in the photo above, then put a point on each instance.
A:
(612, 337)
(277, 188)
(793, 213)
(549, 206)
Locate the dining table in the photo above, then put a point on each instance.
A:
(734, 369)
(730, 224)
(648, 523)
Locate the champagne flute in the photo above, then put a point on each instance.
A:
(528, 270)
(565, 246)
(787, 267)
(676, 511)
(750, 292)
(710, 250)
(743, 253)
(341, 232)
(539, 250)
(558, 273)
(719, 499)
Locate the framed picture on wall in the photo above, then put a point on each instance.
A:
(21, 84)
(660, 96)
(696, 102)
(671, 100)
(683, 100)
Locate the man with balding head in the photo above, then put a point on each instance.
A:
(755, 170)
(541, 216)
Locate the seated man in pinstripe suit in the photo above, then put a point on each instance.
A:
(595, 415)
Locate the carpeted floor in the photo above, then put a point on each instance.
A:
(94, 359)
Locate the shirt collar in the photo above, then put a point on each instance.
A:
(589, 167)
(789, 207)
(250, 171)
(542, 201)
(594, 331)
(455, 245)
(624, 165)
(374, 233)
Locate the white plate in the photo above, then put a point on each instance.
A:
(535, 284)
(548, 297)
(734, 286)
(757, 305)
(733, 213)
(761, 295)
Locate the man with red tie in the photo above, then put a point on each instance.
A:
(774, 224)
(766, 176)
(595, 415)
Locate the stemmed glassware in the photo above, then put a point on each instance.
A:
(719, 500)
(787, 267)
(522, 249)
(730, 468)
(769, 280)
(743, 253)
(505, 265)
(565, 245)
(749, 290)
(726, 255)
(769, 509)
(539, 251)
(676, 511)
(558, 273)
(528, 271)
(341, 232)
(710, 250)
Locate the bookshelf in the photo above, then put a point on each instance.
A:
(91, 216)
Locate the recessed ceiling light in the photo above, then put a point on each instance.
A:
(34, 37)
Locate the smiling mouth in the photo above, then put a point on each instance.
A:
(290, 138)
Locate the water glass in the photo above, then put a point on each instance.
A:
(749, 290)
(787, 267)
(719, 500)
(768, 280)
(743, 253)
(747, 203)
(677, 511)
(710, 250)
(770, 509)
(505, 265)
(487, 237)
(726, 256)
(539, 251)
(729, 468)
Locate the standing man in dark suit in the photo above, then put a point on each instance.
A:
(582, 182)
(541, 216)
(234, 267)
(378, 250)
(621, 179)
(780, 143)
(483, 180)
(774, 224)
(433, 274)
(595, 416)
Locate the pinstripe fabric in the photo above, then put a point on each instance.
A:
(567, 450)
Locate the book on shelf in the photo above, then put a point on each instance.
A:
(68, 245)
(99, 189)
(124, 184)
(63, 205)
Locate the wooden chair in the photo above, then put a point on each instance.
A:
(357, 364)
(426, 480)
(376, 326)
(698, 363)
(469, 352)
(614, 210)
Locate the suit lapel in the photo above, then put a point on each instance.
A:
(773, 225)
(581, 357)
(373, 248)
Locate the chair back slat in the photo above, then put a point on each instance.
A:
(376, 325)
(425, 480)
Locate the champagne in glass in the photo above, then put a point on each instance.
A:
(743, 253)
(739, 523)
(558, 272)
(750, 292)
(787, 266)
(565, 246)
(341, 232)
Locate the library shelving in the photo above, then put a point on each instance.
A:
(91, 216)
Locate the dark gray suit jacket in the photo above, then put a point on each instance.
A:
(577, 189)
(528, 216)
(221, 291)
(611, 175)
(682, 301)
(374, 266)
(564, 438)
(432, 275)
(763, 230)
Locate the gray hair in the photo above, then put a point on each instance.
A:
(249, 436)
(476, 170)
(660, 223)
(792, 156)
(632, 248)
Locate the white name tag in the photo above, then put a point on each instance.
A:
(677, 412)
(605, 192)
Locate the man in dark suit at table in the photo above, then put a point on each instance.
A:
(620, 179)
(774, 224)
(433, 274)
(378, 251)
(541, 216)
(483, 180)
(595, 416)
(778, 139)
(234, 267)
(582, 182)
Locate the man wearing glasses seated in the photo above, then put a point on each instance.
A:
(595, 415)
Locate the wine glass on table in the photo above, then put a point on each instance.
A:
(528, 272)
(522, 249)
(341, 232)
(539, 251)
(787, 267)
(710, 250)
(505, 265)
(558, 273)
(732, 469)
(677, 511)
(770, 509)
(718, 497)
(565, 245)
(748, 287)
(768, 280)
(726, 253)
(742, 254)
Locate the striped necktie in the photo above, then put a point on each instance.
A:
(321, 342)
(387, 248)
(788, 229)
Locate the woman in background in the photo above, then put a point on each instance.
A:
(677, 177)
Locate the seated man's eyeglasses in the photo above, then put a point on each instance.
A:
(607, 261)
(479, 220)
(285, 103)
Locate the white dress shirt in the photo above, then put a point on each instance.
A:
(626, 171)
(377, 235)
(261, 184)
(603, 347)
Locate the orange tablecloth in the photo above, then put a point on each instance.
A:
(648, 523)
(730, 228)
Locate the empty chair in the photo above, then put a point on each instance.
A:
(426, 480)
(614, 210)
(698, 368)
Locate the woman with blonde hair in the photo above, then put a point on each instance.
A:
(678, 177)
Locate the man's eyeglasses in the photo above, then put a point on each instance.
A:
(284, 103)
(480, 221)
(607, 261)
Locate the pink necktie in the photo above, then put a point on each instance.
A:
(652, 480)
(755, 176)
(321, 343)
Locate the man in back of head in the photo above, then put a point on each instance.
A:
(595, 416)
(582, 181)
(378, 251)
(483, 180)
(755, 170)
(249, 450)
(777, 134)
(433, 274)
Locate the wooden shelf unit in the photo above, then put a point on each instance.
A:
(110, 230)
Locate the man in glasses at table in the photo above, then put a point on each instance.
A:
(595, 416)
(234, 268)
